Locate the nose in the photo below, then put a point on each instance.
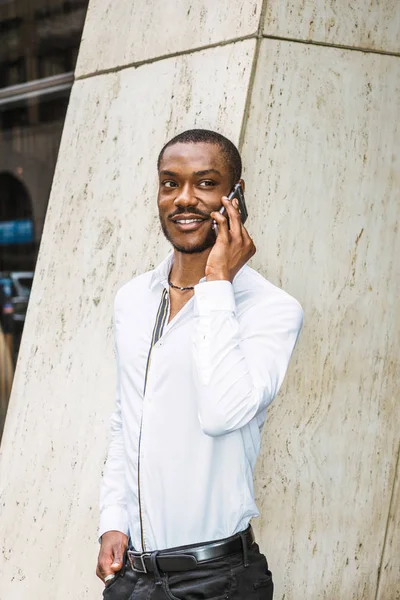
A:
(185, 197)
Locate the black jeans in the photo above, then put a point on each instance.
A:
(221, 579)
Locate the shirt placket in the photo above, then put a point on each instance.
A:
(161, 319)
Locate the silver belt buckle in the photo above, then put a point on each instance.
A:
(141, 557)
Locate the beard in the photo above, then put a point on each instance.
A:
(208, 242)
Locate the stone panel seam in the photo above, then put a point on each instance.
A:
(327, 45)
(385, 538)
(149, 61)
(252, 77)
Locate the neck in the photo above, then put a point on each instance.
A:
(188, 269)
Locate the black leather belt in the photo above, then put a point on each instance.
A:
(187, 558)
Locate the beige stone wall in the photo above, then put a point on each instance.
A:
(310, 90)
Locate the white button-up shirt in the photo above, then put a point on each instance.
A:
(184, 446)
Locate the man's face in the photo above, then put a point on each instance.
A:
(192, 180)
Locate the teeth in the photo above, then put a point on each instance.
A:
(189, 221)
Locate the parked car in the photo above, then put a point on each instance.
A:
(22, 282)
(22, 285)
(14, 298)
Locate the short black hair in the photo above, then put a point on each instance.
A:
(196, 136)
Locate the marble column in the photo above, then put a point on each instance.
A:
(310, 92)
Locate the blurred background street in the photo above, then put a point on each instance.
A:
(38, 51)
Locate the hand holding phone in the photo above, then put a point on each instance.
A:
(233, 246)
(237, 192)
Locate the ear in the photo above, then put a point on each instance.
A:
(241, 181)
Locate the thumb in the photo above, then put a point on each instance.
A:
(117, 561)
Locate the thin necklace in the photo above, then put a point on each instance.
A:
(177, 287)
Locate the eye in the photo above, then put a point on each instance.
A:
(207, 183)
(170, 184)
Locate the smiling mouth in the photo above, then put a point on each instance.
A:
(185, 221)
(189, 225)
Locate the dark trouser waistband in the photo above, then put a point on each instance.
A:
(186, 558)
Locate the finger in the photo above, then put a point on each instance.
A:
(235, 221)
(103, 571)
(104, 566)
(248, 242)
(116, 564)
(109, 578)
(108, 563)
(245, 234)
(222, 224)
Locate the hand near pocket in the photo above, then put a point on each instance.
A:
(111, 555)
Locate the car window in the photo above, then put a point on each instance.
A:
(25, 283)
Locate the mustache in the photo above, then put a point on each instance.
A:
(189, 211)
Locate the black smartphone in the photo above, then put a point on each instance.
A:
(237, 192)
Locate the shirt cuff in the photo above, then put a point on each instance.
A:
(113, 518)
(214, 295)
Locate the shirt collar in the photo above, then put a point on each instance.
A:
(161, 273)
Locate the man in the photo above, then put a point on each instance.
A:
(203, 343)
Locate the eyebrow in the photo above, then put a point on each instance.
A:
(196, 173)
(207, 172)
(169, 173)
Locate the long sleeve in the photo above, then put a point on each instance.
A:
(240, 362)
(113, 510)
